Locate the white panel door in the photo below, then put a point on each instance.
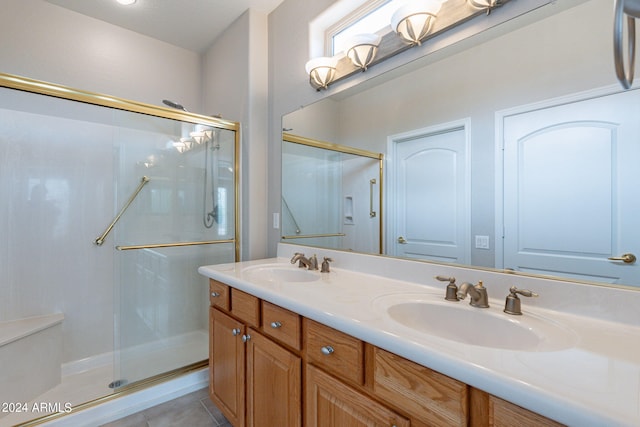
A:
(571, 181)
(429, 195)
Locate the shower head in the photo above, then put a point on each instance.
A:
(173, 105)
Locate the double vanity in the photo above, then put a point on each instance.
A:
(374, 341)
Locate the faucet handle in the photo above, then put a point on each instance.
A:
(452, 288)
(325, 265)
(523, 292)
(512, 303)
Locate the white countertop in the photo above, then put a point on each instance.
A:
(595, 381)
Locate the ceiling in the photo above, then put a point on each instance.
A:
(190, 24)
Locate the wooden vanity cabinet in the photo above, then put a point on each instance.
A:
(254, 381)
(259, 351)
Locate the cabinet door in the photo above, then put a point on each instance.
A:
(274, 382)
(227, 366)
(330, 403)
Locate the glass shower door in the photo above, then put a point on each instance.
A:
(183, 217)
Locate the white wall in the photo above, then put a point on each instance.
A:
(235, 85)
(50, 43)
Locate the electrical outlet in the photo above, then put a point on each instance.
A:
(482, 242)
(276, 220)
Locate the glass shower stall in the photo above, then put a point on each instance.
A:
(108, 208)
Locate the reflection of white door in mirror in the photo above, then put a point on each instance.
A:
(571, 188)
(428, 204)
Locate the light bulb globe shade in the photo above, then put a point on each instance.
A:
(482, 4)
(126, 2)
(362, 49)
(322, 71)
(414, 20)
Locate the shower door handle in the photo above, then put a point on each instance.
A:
(372, 213)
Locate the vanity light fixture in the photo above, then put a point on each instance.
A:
(414, 20)
(322, 71)
(362, 49)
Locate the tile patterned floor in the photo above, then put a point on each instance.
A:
(192, 410)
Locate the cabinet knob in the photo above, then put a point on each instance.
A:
(327, 350)
(235, 332)
(215, 294)
(246, 338)
(276, 325)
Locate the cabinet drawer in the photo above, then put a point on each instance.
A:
(489, 410)
(428, 396)
(281, 324)
(334, 351)
(218, 295)
(245, 307)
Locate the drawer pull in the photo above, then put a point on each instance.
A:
(246, 338)
(235, 332)
(327, 350)
(276, 325)
(215, 294)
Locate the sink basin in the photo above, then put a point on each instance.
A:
(458, 321)
(279, 273)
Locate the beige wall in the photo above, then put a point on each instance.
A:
(235, 85)
(50, 43)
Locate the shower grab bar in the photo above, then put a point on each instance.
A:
(293, 218)
(100, 240)
(310, 236)
(173, 245)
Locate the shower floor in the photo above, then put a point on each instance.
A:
(93, 382)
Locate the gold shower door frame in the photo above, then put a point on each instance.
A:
(59, 91)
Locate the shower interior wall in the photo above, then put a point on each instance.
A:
(104, 59)
(66, 168)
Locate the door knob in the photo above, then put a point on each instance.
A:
(627, 258)
(402, 240)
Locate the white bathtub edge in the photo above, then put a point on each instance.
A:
(130, 404)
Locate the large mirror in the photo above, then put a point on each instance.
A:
(513, 152)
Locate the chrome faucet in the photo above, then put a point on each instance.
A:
(302, 261)
(478, 294)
